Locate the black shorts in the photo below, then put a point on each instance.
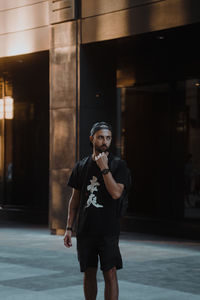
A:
(106, 248)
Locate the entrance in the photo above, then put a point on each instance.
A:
(6, 140)
(160, 126)
(146, 122)
(24, 136)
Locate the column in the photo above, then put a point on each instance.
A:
(63, 107)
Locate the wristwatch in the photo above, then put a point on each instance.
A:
(69, 228)
(105, 171)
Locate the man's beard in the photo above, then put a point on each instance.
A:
(101, 149)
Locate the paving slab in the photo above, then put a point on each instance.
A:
(35, 265)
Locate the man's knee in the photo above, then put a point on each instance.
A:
(90, 273)
(110, 275)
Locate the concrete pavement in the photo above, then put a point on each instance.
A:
(35, 265)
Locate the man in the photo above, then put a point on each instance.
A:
(96, 193)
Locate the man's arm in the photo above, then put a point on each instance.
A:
(72, 212)
(114, 189)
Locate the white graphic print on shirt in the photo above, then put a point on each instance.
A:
(93, 187)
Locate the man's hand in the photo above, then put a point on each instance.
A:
(102, 160)
(68, 239)
(114, 189)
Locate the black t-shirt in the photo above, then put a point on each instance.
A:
(98, 212)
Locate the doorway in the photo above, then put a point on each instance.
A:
(154, 144)
(24, 136)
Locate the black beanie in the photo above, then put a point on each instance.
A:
(99, 126)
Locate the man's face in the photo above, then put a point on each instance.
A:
(101, 140)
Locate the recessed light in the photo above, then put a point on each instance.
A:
(160, 37)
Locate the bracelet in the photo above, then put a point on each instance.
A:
(69, 228)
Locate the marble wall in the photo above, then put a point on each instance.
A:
(24, 26)
(63, 99)
(105, 20)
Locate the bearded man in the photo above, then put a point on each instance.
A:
(95, 196)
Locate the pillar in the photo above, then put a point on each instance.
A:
(63, 120)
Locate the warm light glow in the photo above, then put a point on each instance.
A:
(1, 109)
(25, 28)
(6, 108)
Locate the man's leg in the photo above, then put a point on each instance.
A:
(90, 284)
(111, 284)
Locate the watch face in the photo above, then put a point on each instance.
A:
(105, 171)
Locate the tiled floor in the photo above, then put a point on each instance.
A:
(35, 265)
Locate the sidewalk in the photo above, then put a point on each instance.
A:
(35, 265)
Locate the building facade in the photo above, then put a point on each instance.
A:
(133, 63)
